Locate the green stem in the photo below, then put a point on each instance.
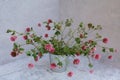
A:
(71, 36)
(88, 59)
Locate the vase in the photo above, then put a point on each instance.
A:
(58, 62)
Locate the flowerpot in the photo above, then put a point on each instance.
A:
(58, 63)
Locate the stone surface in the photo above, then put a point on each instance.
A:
(18, 70)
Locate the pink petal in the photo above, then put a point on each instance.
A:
(53, 65)
(97, 56)
(30, 65)
(91, 71)
(70, 74)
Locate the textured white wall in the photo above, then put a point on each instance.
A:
(18, 14)
(104, 12)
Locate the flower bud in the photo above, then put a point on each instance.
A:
(105, 40)
(28, 29)
(76, 61)
(70, 74)
(97, 56)
(13, 54)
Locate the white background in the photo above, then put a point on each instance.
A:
(17, 15)
(103, 12)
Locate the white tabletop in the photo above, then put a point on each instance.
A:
(18, 70)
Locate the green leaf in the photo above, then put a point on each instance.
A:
(111, 49)
(31, 29)
(13, 33)
(68, 22)
(45, 22)
(34, 55)
(89, 25)
(93, 27)
(33, 50)
(36, 39)
(21, 49)
(8, 31)
(28, 41)
(60, 64)
(28, 53)
(85, 52)
(41, 50)
(57, 33)
(45, 42)
(90, 65)
(103, 50)
(57, 26)
(77, 40)
(99, 27)
(15, 45)
(66, 49)
(81, 24)
(94, 43)
(98, 35)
